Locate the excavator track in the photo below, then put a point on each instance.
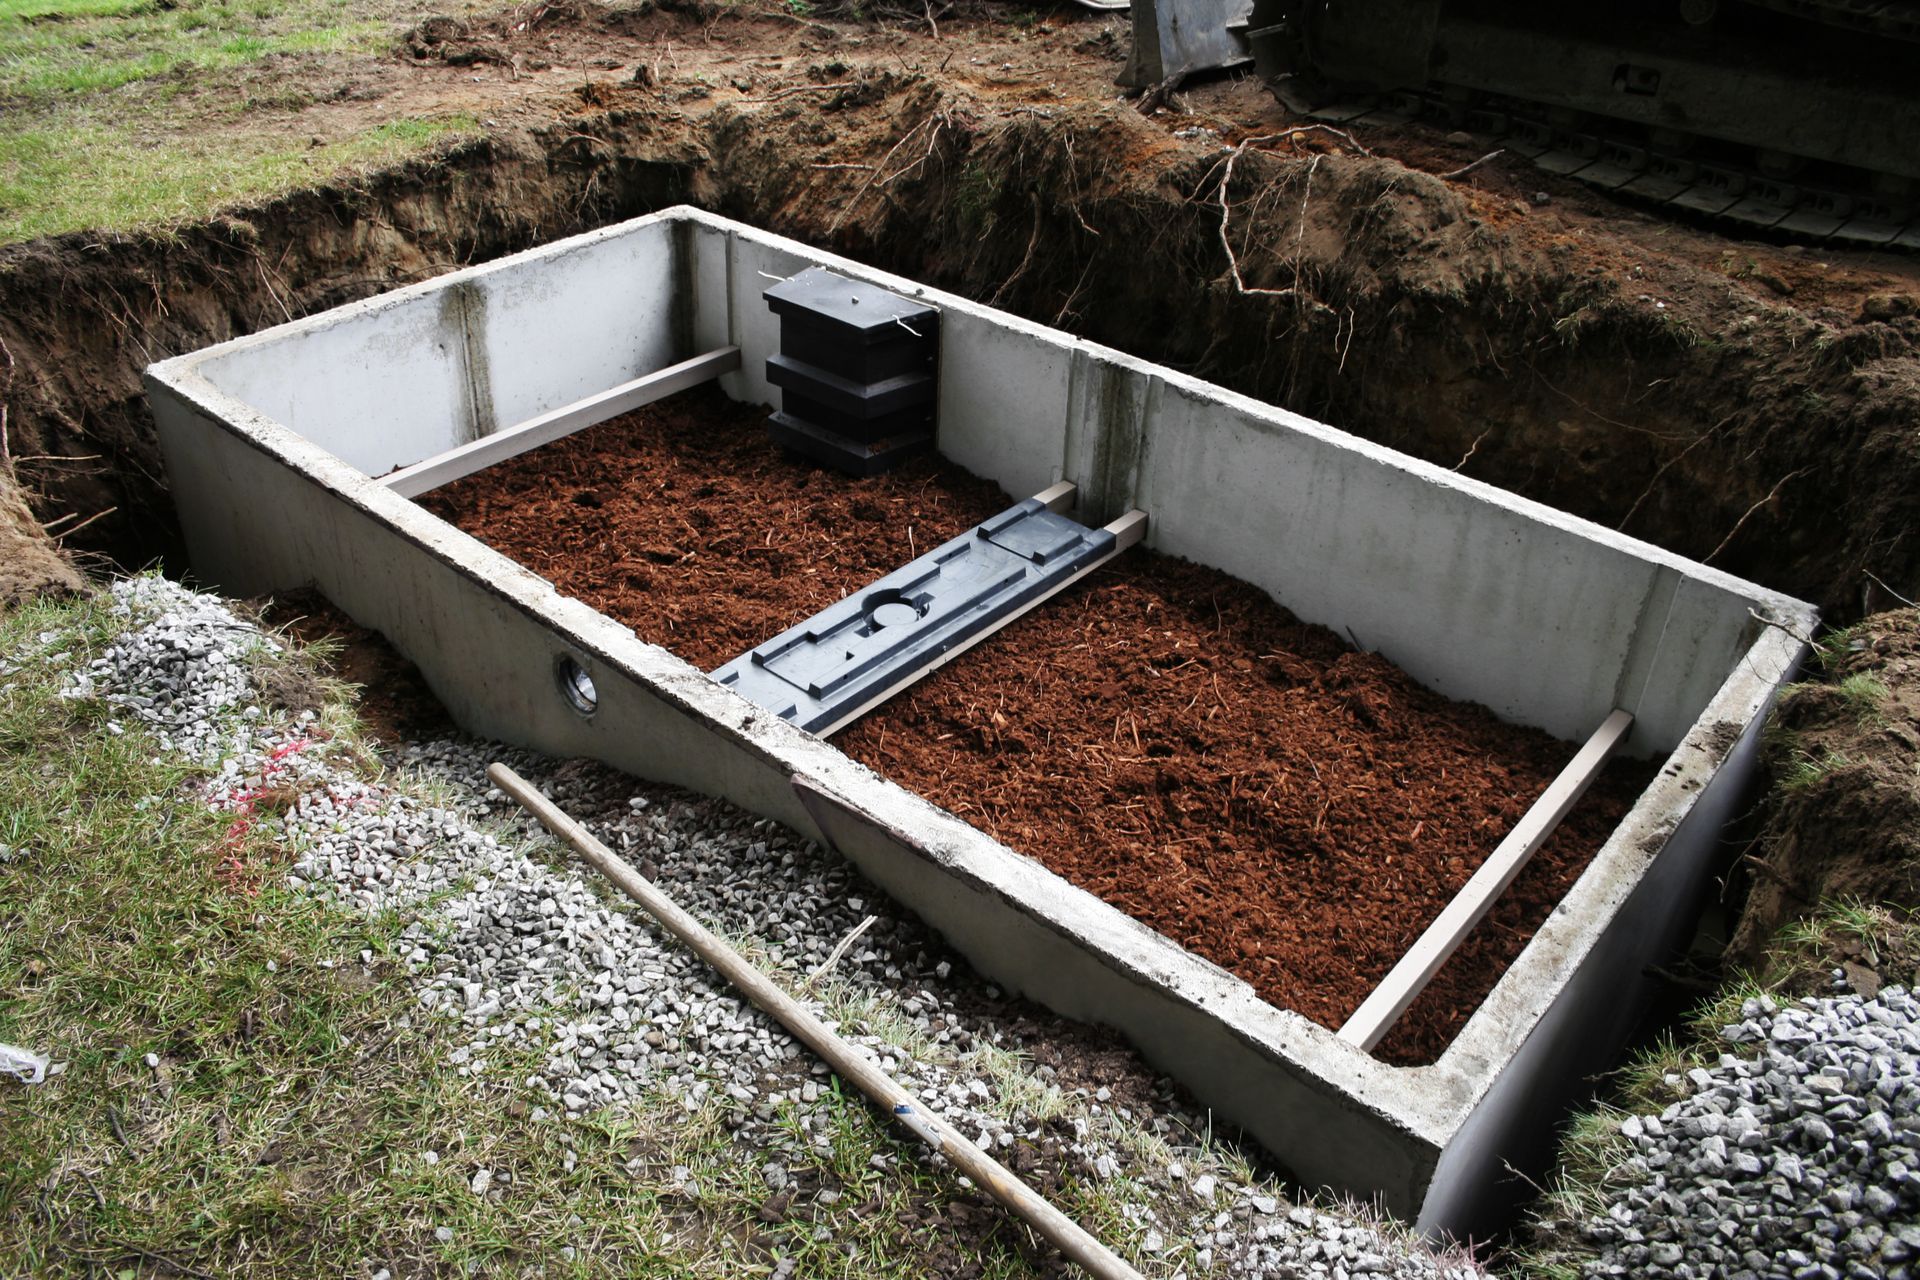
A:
(1795, 118)
(1889, 18)
(1721, 189)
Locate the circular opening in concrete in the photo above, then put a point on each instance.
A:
(576, 685)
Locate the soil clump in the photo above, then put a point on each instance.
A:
(1163, 735)
(1842, 753)
(394, 703)
(31, 563)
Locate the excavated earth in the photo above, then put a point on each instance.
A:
(1843, 756)
(1747, 403)
(1742, 401)
(1163, 735)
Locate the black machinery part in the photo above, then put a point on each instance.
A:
(1798, 116)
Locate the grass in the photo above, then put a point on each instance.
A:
(75, 47)
(1849, 926)
(1807, 769)
(121, 114)
(106, 177)
(1835, 645)
(55, 179)
(299, 1119)
(1864, 694)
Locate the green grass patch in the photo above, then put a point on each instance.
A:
(1864, 693)
(1834, 645)
(66, 10)
(1807, 769)
(58, 179)
(59, 50)
(120, 114)
(1873, 931)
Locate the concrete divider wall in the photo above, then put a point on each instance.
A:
(387, 382)
(1547, 619)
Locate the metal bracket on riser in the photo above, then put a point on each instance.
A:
(845, 660)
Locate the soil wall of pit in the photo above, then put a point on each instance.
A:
(1772, 440)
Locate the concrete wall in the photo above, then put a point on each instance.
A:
(1548, 620)
(401, 377)
(1636, 902)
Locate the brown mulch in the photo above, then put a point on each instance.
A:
(1163, 735)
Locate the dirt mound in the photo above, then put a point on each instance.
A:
(531, 37)
(1843, 753)
(394, 703)
(31, 563)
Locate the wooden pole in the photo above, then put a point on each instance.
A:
(1380, 1010)
(987, 1173)
(510, 442)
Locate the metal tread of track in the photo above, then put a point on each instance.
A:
(1713, 189)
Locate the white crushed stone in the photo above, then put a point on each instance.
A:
(512, 950)
(1798, 1157)
(182, 672)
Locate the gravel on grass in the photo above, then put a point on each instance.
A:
(1797, 1157)
(516, 945)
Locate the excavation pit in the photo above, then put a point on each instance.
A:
(280, 448)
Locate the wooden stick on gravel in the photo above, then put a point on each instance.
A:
(986, 1172)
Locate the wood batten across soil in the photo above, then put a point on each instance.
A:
(1260, 790)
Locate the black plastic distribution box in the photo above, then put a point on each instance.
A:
(857, 371)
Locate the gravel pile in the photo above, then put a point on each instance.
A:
(182, 672)
(517, 948)
(1798, 1158)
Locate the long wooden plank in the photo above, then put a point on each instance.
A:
(1377, 1014)
(442, 468)
(929, 1126)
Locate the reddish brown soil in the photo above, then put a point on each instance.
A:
(1163, 735)
(394, 703)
